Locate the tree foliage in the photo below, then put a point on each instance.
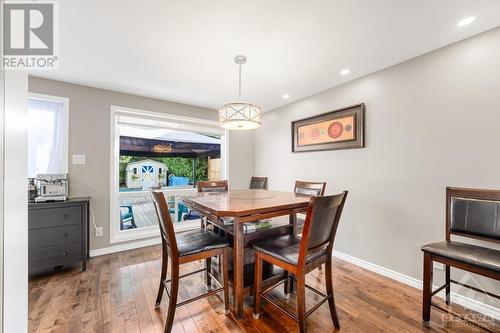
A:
(178, 166)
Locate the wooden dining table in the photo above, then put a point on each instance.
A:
(246, 206)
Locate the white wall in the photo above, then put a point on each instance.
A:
(15, 203)
(431, 122)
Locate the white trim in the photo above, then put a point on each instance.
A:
(415, 283)
(65, 102)
(15, 214)
(125, 247)
(168, 120)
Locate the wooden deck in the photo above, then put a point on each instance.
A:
(118, 291)
(144, 212)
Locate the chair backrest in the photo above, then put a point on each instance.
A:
(212, 186)
(309, 188)
(258, 183)
(320, 226)
(165, 221)
(473, 213)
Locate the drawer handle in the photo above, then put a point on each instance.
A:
(65, 216)
(64, 235)
(64, 253)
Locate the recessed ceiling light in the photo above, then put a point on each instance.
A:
(345, 71)
(465, 21)
(285, 96)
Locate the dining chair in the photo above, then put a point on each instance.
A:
(212, 186)
(184, 248)
(309, 189)
(258, 183)
(300, 255)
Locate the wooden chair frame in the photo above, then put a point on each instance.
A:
(262, 180)
(312, 185)
(429, 258)
(299, 273)
(169, 249)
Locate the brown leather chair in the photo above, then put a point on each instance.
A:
(300, 255)
(258, 183)
(309, 188)
(184, 248)
(470, 213)
(212, 186)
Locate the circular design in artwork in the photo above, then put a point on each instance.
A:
(335, 130)
(348, 127)
(315, 133)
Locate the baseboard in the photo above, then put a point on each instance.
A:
(125, 247)
(415, 283)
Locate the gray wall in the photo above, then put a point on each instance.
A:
(89, 134)
(430, 122)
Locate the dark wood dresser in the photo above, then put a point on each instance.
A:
(58, 234)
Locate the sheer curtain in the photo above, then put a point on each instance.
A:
(45, 137)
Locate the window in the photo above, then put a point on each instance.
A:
(162, 152)
(47, 135)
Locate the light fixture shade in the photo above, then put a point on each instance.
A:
(239, 116)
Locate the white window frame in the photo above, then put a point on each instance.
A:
(65, 102)
(180, 122)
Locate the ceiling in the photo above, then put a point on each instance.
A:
(183, 50)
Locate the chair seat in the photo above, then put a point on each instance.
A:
(466, 253)
(286, 248)
(197, 241)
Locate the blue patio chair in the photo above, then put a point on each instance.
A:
(127, 217)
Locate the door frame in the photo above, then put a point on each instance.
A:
(178, 122)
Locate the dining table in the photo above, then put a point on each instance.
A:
(230, 211)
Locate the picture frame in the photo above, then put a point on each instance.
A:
(333, 130)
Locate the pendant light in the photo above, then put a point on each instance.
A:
(239, 115)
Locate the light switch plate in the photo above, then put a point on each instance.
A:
(79, 159)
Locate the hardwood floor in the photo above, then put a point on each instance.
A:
(118, 291)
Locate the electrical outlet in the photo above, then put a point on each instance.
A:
(438, 265)
(98, 232)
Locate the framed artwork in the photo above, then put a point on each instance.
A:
(339, 129)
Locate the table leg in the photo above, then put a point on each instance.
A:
(238, 263)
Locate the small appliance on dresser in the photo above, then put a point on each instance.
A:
(52, 187)
(57, 226)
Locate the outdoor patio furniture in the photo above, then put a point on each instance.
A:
(127, 217)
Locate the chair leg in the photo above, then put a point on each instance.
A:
(174, 288)
(427, 290)
(286, 285)
(257, 285)
(163, 276)
(208, 279)
(448, 284)
(301, 302)
(225, 276)
(329, 292)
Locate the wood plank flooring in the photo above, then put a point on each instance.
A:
(117, 294)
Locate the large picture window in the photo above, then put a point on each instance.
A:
(161, 152)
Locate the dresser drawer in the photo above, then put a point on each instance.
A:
(53, 217)
(38, 238)
(52, 256)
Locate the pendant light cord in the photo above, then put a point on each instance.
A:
(239, 84)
